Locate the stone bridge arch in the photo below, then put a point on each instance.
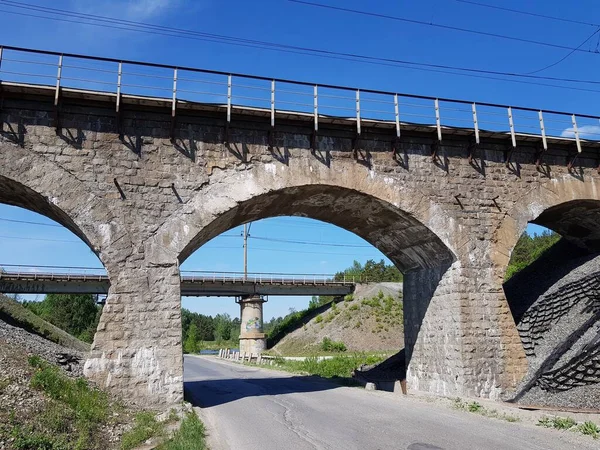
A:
(567, 205)
(406, 224)
(33, 182)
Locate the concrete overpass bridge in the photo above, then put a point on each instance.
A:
(147, 162)
(20, 279)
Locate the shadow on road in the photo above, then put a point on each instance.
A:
(207, 393)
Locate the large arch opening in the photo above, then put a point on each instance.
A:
(409, 244)
(555, 304)
(42, 244)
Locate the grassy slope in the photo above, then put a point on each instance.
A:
(13, 313)
(368, 322)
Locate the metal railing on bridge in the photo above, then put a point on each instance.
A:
(77, 273)
(182, 87)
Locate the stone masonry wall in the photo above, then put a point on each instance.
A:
(144, 202)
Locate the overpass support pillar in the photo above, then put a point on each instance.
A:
(252, 338)
(460, 337)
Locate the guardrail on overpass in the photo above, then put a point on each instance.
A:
(56, 279)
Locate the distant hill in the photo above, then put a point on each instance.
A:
(370, 320)
(15, 314)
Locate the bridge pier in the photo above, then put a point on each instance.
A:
(137, 349)
(252, 337)
(460, 337)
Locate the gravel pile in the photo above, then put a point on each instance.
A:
(71, 361)
(560, 331)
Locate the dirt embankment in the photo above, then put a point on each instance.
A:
(371, 320)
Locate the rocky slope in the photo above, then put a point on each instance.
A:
(28, 416)
(371, 320)
(557, 311)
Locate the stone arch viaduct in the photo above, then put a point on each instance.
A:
(144, 200)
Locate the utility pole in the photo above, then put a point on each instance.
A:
(245, 251)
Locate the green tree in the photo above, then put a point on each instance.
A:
(192, 341)
(528, 249)
(371, 272)
(77, 314)
(222, 327)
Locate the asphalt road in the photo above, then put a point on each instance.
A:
(249, 408)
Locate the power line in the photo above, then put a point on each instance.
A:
(70, 241)
(527, 13)
(326, 244)
(437, 25)
(31, 223)
(177, 33)
(566, 56)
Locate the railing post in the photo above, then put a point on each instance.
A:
(57, 94)
(438, 121)
(543, 130)
(228, 99)
(1, 50)
(316, 108)
(512, 127)
(475, 123)
(119, 79)
(576, 131)
(58, 77)
(358, 129)
(397, 115)
(228, 122)
(174, 104)
(273, 104)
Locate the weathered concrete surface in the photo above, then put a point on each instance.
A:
(144, 204)
(253, 340)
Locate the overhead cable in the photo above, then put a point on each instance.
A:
(230, 40)
(438, 25)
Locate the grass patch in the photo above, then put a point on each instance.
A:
(559, 423)
(191, 435)
(70, 418)
(566, 423)
(477, 408)
(338, 366)
(589, 429)
(145, 427)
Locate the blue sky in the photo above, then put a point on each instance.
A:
(295, 24)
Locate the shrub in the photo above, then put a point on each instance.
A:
(328, 345)
(474, 407)
(319, 319)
